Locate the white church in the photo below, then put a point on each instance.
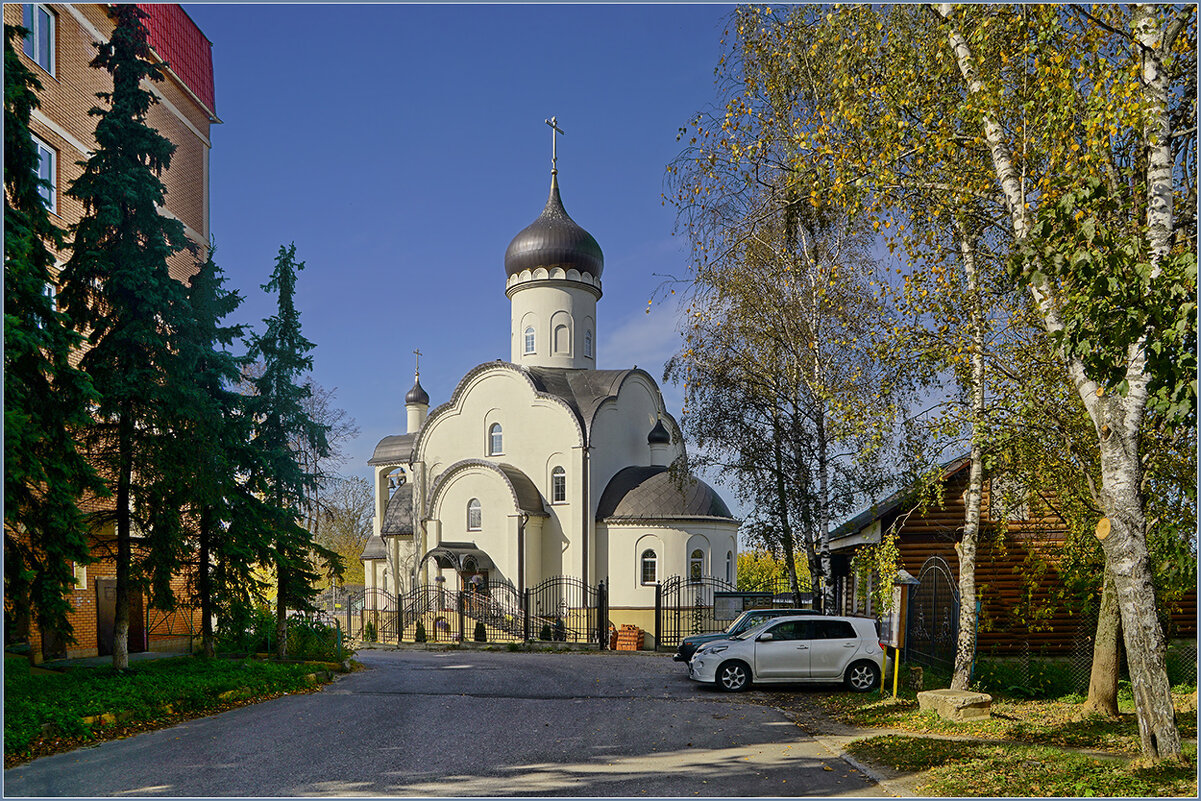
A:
(545, 466)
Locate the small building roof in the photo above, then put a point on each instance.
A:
(374, 550)
(653, 493)
(889, 505)
(395, 449)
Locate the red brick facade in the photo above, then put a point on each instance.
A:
(184, 114)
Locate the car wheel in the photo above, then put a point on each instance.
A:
(733, 676)
(862, 677)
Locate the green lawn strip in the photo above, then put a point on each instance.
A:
(1056, 723)
(981, 768)
(40, 705)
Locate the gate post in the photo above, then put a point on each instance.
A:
(602, 604)
(658, 615)
(459, 603)
(525, 614)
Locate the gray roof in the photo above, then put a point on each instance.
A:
(554, 240)
(653, 493)
(525, 495)
(375, 549)
(583, 390)
(396, 449)
(398, 517)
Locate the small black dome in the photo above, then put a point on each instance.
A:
(554, 240)
(658, 435)
(417, 394)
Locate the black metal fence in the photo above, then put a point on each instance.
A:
(685, 605)
(560, 609)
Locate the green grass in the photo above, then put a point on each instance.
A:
(158, 690)
(1037, 722)
(980, 768)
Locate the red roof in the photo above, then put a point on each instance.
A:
(186, 50)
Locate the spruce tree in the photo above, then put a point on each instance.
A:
(45, 397)
(118, 291)
(211, 447)
(280, 419)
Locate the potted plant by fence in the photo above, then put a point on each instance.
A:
(419, 634)
(481, 633)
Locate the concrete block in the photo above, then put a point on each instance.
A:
(955, 705)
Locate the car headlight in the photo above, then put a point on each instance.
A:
(714, 649)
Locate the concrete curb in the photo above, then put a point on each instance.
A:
(837, 748)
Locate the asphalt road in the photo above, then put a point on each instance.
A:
(470, 724)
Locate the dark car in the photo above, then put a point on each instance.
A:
(748, 619)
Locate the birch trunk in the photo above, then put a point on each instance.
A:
(823, 514)
(965, 647)
(1103, 679)
(786, 537)
(1117, 419)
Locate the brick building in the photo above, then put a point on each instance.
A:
(62, 43)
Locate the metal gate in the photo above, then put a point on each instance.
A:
(565, 609)
(560, 609)
(933, 616)
(684, 606)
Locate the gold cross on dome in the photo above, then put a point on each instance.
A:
(417, 371)
(553, 122)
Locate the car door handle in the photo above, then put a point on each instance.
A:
(849, 645)
(802, 647)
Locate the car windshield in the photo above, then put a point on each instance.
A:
(752, 631)
(742, 623)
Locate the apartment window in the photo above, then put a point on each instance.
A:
(50, 291)
(529, 339)
(47, 174)
(558, 485)
(588, 344)
(650, 567)
(474, 515)
(496, 440)
(39, 42)
(696, 565)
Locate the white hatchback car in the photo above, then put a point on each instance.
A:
(794, 649)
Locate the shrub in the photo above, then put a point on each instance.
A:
(560, 630)
(310, 638)
(1035, 678)
(545, 633)
(481, 633)
(245, 630)
(369, 633)
(419, 633)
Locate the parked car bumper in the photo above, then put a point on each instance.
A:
(703, 669)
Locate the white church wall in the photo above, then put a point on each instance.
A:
(530, 427)
(496, 506)
(619, 432)
(546, 304)
(672, 542)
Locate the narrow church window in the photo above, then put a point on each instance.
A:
(558, 485)
(588, 343)
(562, 340)
(473, 515)
(696, 565)
(650, 567)
(529, 339)
(729, 567)
(495, 440)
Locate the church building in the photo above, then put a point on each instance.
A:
(545, 466)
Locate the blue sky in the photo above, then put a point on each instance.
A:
(402, 146)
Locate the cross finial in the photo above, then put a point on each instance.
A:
(417, 371)
(553, 122)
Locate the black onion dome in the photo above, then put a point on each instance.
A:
(417, 394)
(554, 240)
(658, 435)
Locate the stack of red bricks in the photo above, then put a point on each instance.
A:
(629, 638)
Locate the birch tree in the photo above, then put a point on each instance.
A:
(1028, 96)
